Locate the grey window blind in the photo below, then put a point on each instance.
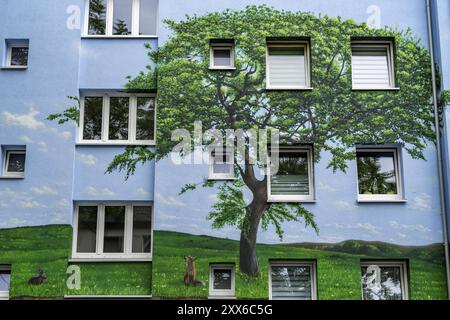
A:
(292, 176)
(291, 282)
(287, 67)
(370, 67)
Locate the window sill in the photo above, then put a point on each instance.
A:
(14, 67)
(367, 200)
(289, 88)
(119, 37)
(221, 297)
(12, 177)
(376, 89)
(110, 143)
(290, 200)
(222, 178)
(110, 260)
(222, 68)
(102, 297)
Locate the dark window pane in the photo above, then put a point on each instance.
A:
(376, 173)
(222, 279)
(222, 57)
(16, 162)
(87, 229)
(122, 17)
(291, 282)
(142, 229)
(19, 56)
(118, 118)
(147, 17)
(390, 287)
(145, 118)
(5, 279)
(292, 175)
(97, 17)
(92, 125)
(114, 229)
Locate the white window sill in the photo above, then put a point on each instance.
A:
(380, 200)
(12, 177)
(119, 37)
(222, 178)
(110, 259)
(289, 88)
(221, 297)
(290, 200)
(14, 67)
(222, 68)
(115, 143)
(376, 89)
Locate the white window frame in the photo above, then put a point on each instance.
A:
(398, 177)
(293, 198)
(135, 23)
(403, 273)
(296, 263)
(220, 176)
(132, 117)
(289, 44)
(6, 173)
(4, 295)
(221, 294)
(9, 48)
(128, 234)
(222, 46)
(390, 59)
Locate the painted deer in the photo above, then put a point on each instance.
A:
(189, 274)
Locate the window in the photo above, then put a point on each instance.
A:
(222, 281)
(222, 56)
(378, 174)
(287, 65)
(113, 231)
(372, 65)
(118, 119)
(14, 165)
(121, 17)
(16, 54)
(221, 166)
(384, 280)
(290, 175)
(292, 280)
(5, 279)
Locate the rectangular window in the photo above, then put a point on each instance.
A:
(222, 56)
(372, 65)
(287, 66)
(221, 166)
(121, 17)
(290, 175)
(113, 231)
(121, 119)
(386, 280)
(5, 280)
(292, 280)
(378, 174)
(16, 53)
(14, 163)
(222, 281)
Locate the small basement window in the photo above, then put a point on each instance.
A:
(16, 54)
(221, 56)
(222, 281)
(221, 166)
(384, 280)
(5, 279)
(14, 163)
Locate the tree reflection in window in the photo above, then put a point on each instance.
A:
(390, 287)
(97, 17)
(376, 173)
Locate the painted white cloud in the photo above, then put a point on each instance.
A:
(88, 159)
(30, 204)
(422, 202)
(26, 139)
(142, 192)
(42, 146)
(344, 205)
(169, 200)
(62, 203)
(367, 227)
(409, 227)
(103, 192)
(325, 187)
(66, 135)
(24, 120)
(44, 190)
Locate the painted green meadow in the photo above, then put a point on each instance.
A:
(338, 272)
(29, 249)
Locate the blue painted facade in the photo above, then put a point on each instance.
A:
(60, 172)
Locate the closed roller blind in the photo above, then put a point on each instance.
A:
(291, 282)
(370, 68)
(287, 67)
(292, 176)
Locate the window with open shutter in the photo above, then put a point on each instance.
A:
(287, 66)
(372, 66)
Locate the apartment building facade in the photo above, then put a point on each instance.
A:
(96, 201)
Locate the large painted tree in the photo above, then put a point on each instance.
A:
(331, 116)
